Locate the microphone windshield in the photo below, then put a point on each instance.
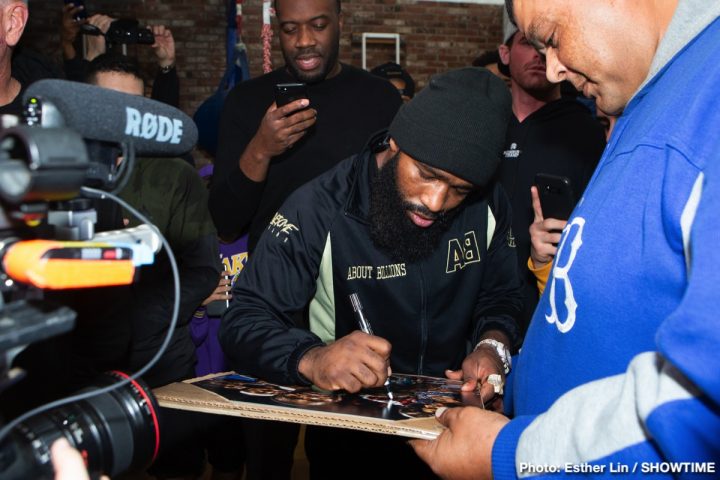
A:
(98, 113)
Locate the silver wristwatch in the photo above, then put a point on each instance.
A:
(502, 351)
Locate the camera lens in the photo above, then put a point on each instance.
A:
(128, 31)
(41, 164)
(115, 432)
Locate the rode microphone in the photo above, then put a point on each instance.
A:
(96, 113)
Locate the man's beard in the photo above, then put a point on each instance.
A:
(329, 63)
(537, 86)
(391, 230)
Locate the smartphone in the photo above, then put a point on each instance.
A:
(289, 92)
(82, 14)
(556, 196)
(217, 307)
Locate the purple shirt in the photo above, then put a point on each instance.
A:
(204, 328)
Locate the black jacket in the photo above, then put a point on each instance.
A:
(317, 250)
(561, 138)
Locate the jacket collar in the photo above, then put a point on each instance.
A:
(363, 171)
(691, 18)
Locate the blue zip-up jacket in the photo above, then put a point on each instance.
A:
(317, 250)
(621, 365)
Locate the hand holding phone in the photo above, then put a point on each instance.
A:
(281, 127)
(219, 300)
(289, 92)
(556, 196)
(545, 232)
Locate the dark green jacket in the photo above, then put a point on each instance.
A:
(171, 194)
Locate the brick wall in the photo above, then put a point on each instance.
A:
(434, 36)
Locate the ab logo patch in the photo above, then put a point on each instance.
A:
(462, 254)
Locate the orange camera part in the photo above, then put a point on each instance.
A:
(55, 265)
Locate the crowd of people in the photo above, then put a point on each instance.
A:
(600, 325)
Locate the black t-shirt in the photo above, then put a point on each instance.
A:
(561, 138)
(28, 67)
(351, 106)
(14, 107)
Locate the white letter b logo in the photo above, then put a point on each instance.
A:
(561, 274)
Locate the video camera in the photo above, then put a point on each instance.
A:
(45, 173)
(123, 31)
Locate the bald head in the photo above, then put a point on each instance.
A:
(4, 3)
(276, 6)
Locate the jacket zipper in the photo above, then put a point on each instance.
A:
(423, 324)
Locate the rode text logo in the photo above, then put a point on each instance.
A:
(153, 127)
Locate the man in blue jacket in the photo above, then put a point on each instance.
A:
(618, 372)
(414, 227)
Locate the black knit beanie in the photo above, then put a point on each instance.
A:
(457, 124)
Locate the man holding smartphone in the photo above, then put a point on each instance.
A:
(547, 134)
(266, 151)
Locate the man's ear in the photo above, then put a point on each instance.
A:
(393, 146)
(504, 52)
(15, 17)
(341, 20)
(383, 157)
